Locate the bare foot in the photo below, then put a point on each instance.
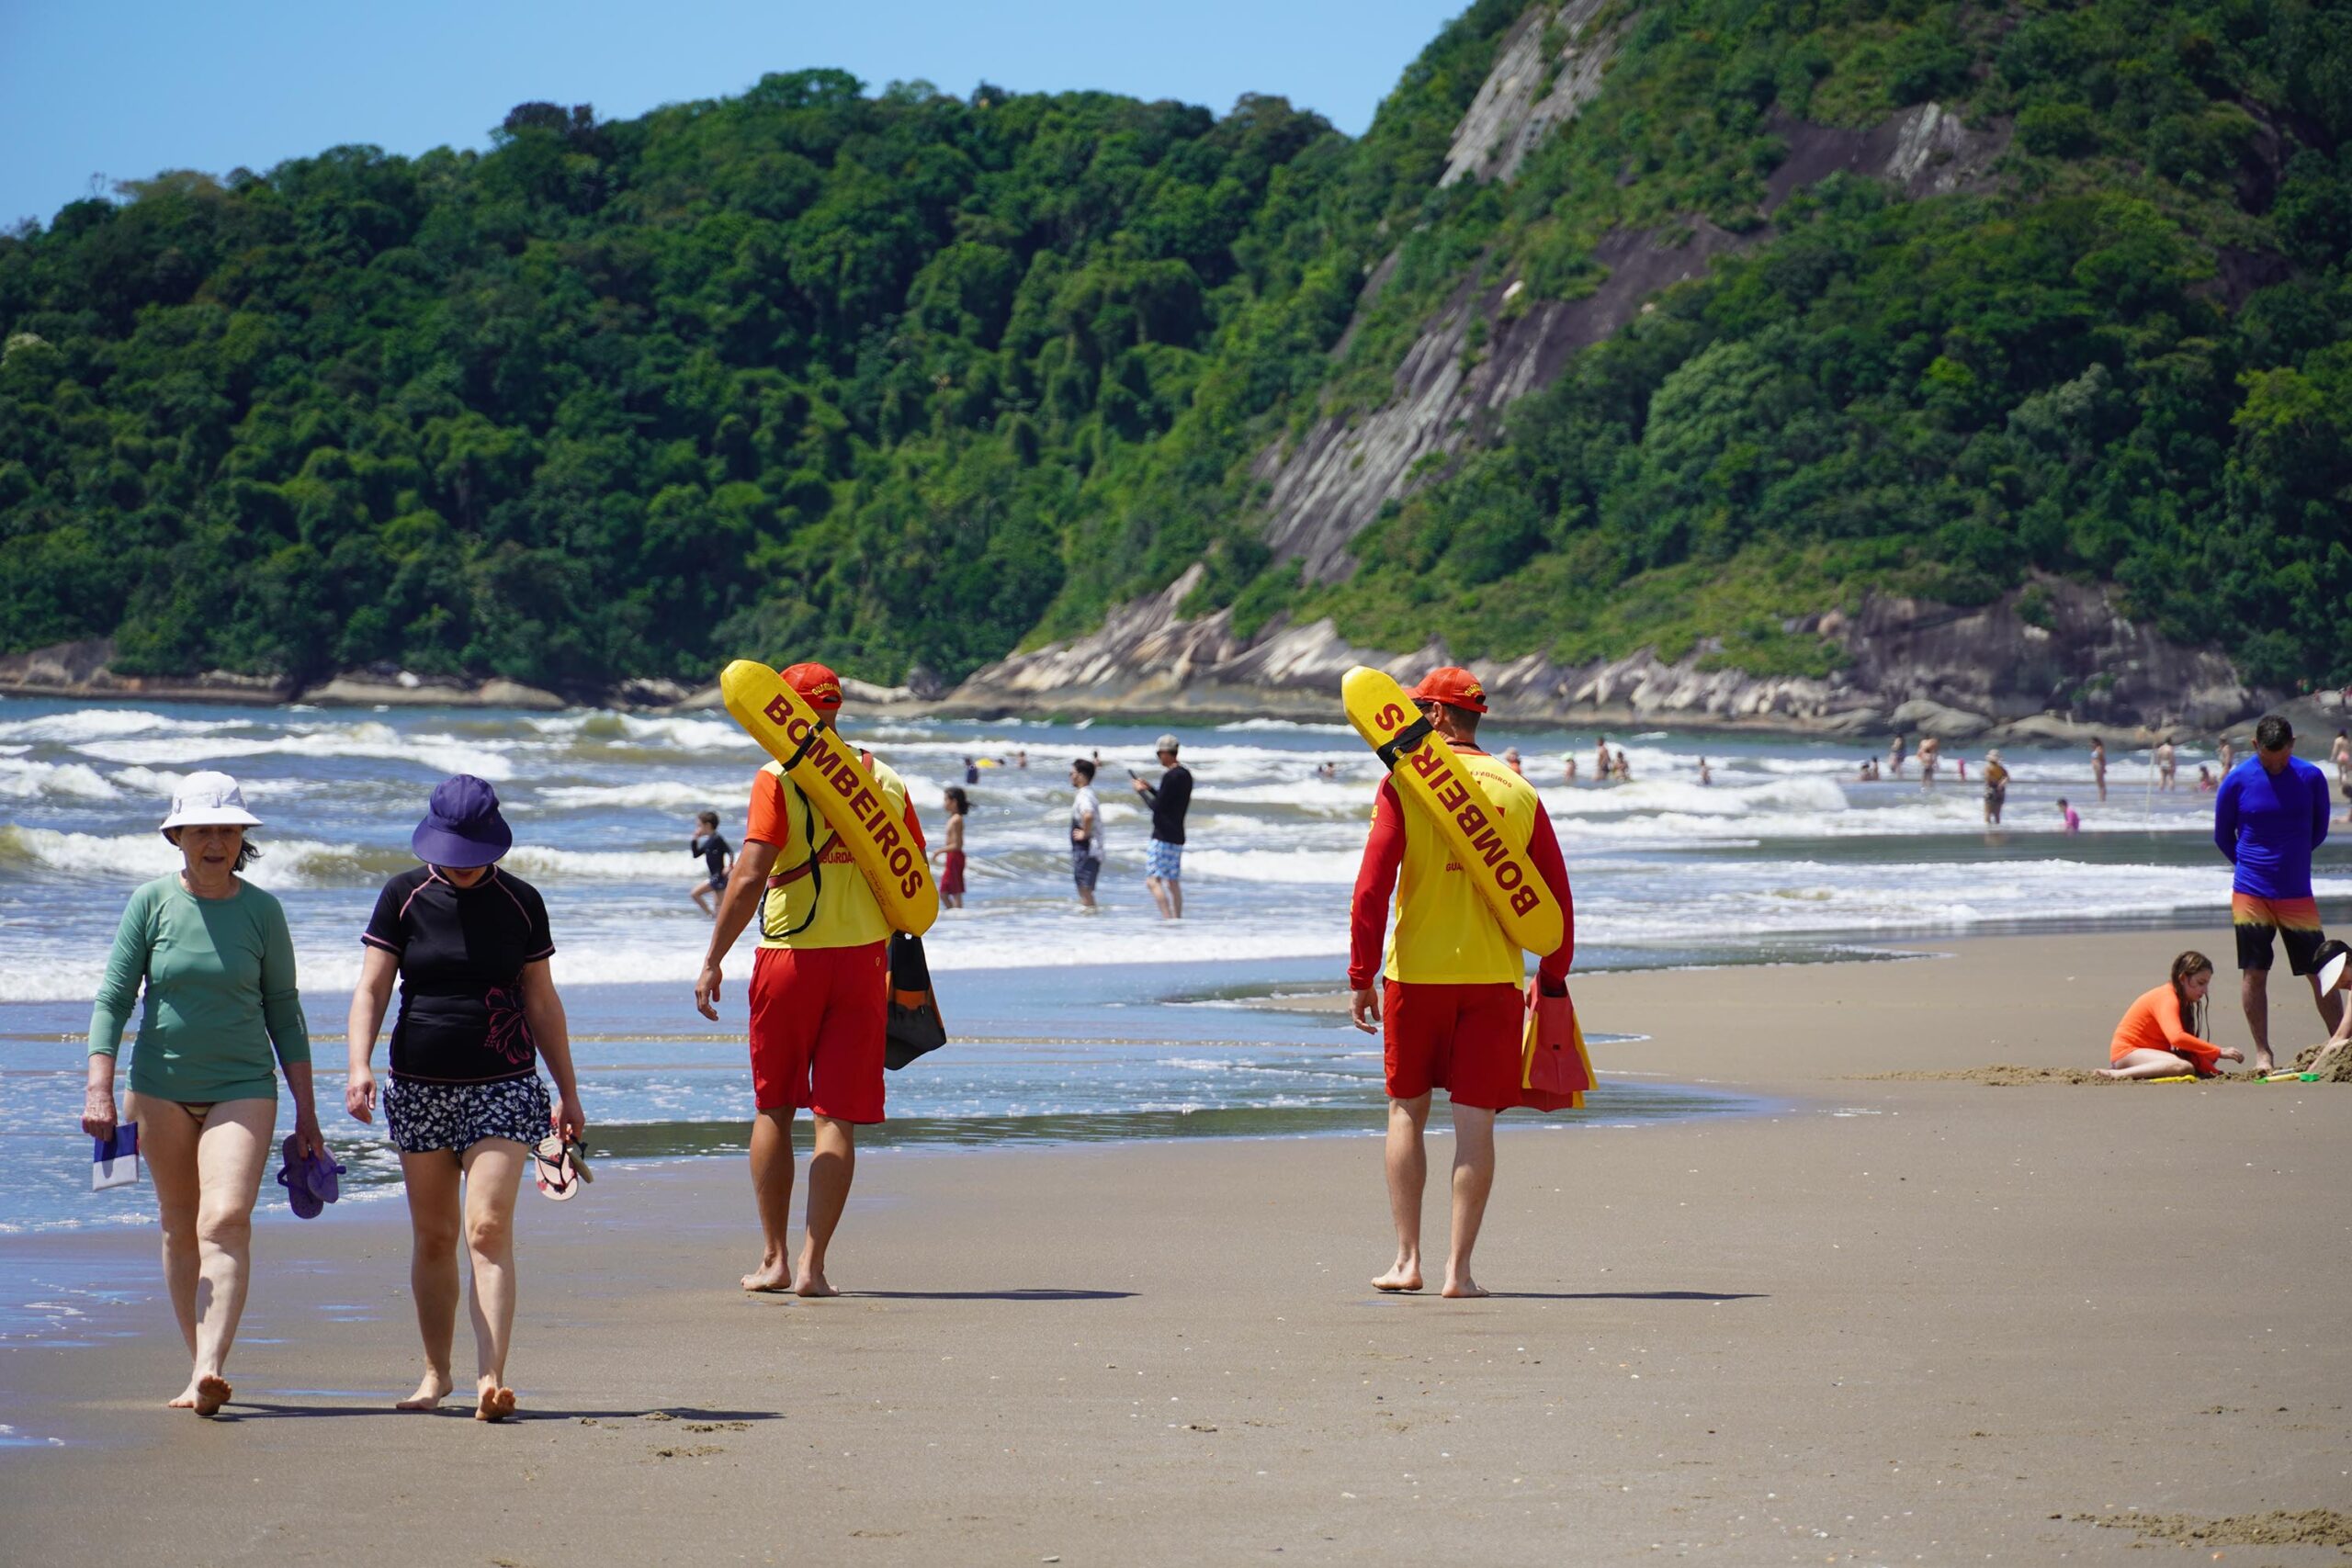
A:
(497, 1404)
(1463, 1286)
(185, 1399)
(812, 1283)
(1400, 1276)
(212, 1393)
(431, 1390)
(2107, 1072)
(772, 1274)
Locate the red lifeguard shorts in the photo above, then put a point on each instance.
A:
(1462, 1039)
(819, 1015)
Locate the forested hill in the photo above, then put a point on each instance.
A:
(909, 378)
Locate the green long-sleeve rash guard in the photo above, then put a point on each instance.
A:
(220, 994)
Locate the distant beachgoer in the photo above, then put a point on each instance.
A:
(1163, 857)
(216, 961)
(1996, 786)
(2098, 766)
(1867, 772)
(2267, 818)
(1450, 1008)
(1021, 759)
(1568, 771)
(1706, 776)
(1327, 771)
(2166, 763)
(1603, 769)
(1894, 755)
(2157, 1038)
(465, 1105)
(2228, 759)
(971, 772)
(1930, 752)
(951, 850)
(2206, 784)
(1960, 765)
(1625, 769)
(716, 852)
(1510, 760)
(1085, 832)
(2074, 818)
(821, 1010)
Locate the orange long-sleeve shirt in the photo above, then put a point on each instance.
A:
(2154, 1023)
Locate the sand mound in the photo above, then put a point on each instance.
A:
(2337, 1068)
(2313, 1526)
(2000, 1075)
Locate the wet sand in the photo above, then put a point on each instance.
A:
(1892, 1319)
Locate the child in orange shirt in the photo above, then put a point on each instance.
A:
(2157, 1037)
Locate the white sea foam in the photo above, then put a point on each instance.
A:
(25, 780)
(98, 724)
(655, 795)
(443, 753)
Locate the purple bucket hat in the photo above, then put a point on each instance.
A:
(462, 826)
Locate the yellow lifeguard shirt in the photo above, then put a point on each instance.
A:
(1444, 932)
(847, 914)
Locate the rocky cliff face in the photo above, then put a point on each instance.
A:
(2053, 660)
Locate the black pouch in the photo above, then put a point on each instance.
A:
(915, 1026)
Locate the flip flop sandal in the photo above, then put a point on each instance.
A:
(552, 1163)
(309, 1180)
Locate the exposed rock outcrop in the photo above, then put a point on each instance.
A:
(2040, 664)
(1549, 67)
(83, 669)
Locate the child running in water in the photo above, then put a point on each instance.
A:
(951, 850)
(716, 852)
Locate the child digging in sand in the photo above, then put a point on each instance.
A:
(2157, 1038)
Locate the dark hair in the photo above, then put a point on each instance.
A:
(957, 801)
(709, 816)
(247, 851)
(2062, 803)
(2192, 1015)
(2274, 733)
(1085, 769)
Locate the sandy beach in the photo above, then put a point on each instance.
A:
(1890, 1319)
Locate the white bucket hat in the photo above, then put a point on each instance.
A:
(209, 800)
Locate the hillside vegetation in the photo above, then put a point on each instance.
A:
(906, 377)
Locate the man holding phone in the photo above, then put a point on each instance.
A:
(1163, 859)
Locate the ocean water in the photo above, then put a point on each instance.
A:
(1112, 1025)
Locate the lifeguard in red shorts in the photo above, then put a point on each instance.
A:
(1451, 1005)
(820, 996)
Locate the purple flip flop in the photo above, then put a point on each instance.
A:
(309, 1180)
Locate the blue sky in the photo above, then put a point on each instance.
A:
(124, 90)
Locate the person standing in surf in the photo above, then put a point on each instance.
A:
(715, 853)
(951, 849)
(1448, 1004)
(820, 997)
(1085, 832)
(216, 961)
(464, 1103)
(1163, 857)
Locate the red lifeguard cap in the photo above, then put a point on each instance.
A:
(1453, 686)
(819, 686)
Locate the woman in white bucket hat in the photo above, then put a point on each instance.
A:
(216, 962)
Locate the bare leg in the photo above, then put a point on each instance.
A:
(1176, 898)
(1474, 1179)
(2148, 1063)
(832, 1165)
(2254, 992)
(2331, 1005)
(494, 1174)
(229, 1153)
(436, 1207)
(1158, 891)
(772, 1185)
(1408, 1164)
(167, 1144)
(702, 896)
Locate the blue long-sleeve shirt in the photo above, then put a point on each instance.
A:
(2268, 824)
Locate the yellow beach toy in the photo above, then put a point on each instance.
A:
(1448, 797)
(825, 768)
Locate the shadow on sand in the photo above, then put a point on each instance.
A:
(1040, 1294)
